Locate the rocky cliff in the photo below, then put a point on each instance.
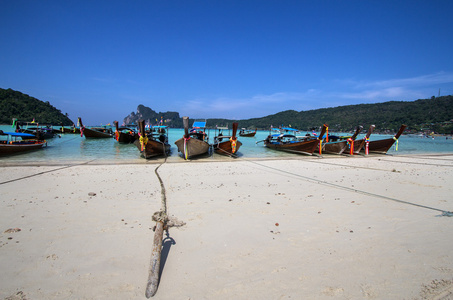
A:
(151, 117)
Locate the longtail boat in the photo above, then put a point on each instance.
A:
(125, 134)
(194, 143)
(154, 143)
(247, 133)
(231, 144)
(291, 143)
(337, 145)
(95, 132)
(18, 142)
(36, 131)
(73, 129)
(358, 145)
(382, 146)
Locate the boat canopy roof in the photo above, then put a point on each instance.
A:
(19, 134)
(160, 126)
(222, 128)
(284, 135)
(199, 124)
(289, 129)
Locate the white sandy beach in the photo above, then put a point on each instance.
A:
(300, 228)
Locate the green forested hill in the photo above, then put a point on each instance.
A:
(435, 114)
(14, 104)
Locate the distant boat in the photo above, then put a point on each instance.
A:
(382, 146)
(194, 143)
(226, 145)
(18, 142)
(73, 129)
(247, 133)
(289, 142)
(125, 134)
(95, 132)
(154, 143)
(39, 132)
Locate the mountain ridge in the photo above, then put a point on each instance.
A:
(435, 114)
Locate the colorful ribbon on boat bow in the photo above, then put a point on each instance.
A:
(143, 141)
(396, 146)
(327, 134)
(233, 144)
(186, 155)
(351, 146)
(367, 143)
(117, 135)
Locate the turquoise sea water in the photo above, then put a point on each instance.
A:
(70, 148)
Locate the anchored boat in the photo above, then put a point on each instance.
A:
(95, 132)
(195, 142)
(287, 141)
(382, 146)
(226, 145)
(154, 143)
(17, 142)
(125, 134)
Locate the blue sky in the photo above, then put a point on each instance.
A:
(224, 59)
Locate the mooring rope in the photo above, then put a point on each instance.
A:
(431, 156)
(161, 218)
(228, 153)
(49, 171)
(313, 180)
(162, 214)
(346, 165)
(444, 212)
(418, 163)
(65, 141)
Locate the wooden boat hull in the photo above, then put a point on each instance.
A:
(193, 146)
(380, 146)
(153, 148)
(302, 147)
(226, 148)
(90, 133)
(333, 147)
(70, 130)
(250, 134)
(358, 145)
(126, 138)
(383, 146)
(19, 147)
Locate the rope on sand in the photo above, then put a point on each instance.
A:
(444, 213)
(162, 223)
(313, 180)
(160, 217)
(49, 171)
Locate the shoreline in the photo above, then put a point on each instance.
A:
(210, 159)
(313, 228)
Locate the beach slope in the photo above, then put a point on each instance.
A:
(305, 228)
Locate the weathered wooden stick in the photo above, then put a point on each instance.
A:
(153, 277)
